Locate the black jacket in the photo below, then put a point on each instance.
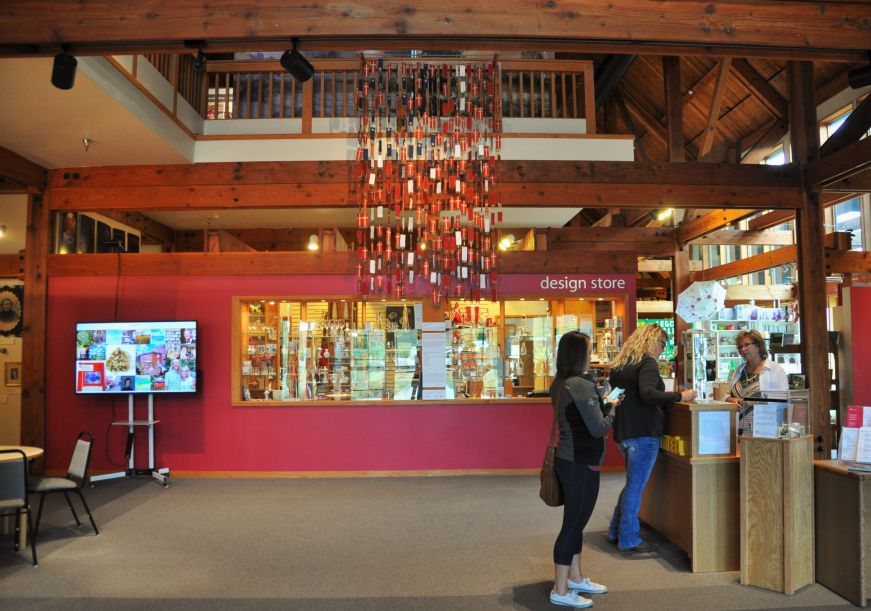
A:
(640, 413)
(582, 422)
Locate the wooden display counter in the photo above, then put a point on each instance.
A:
(693, 498)
(842, 502)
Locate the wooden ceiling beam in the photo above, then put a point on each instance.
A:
(848, 262)
(748, 265)
(16, 171)
(760, 88)
(513, 195)
(839, 165)
(787, 27)
(857, 183)
(696, 228)
(745, 237)
(714, 109)
(854, 127)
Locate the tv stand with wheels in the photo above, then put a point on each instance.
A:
(160, 475)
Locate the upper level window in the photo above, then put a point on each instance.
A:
(830, 124)
(848, 217)
(778, 157)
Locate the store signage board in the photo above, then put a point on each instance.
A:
(567, 284)
(765, 420)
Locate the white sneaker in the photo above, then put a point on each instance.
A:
(587, 587)
(570, 599)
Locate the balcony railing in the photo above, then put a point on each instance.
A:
(262, 89)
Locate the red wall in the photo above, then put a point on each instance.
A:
(860, 305)
(204, 433)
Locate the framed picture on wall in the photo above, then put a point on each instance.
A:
(67, 229)
(11, 310)
(104, 237)
(85, 234)
(12, 374)
(132, 242)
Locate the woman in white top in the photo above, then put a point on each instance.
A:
(756, 374)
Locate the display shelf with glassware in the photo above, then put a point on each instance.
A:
(530, 353)
(323, 350)
(474, 360)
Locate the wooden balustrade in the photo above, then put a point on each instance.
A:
(262, 89)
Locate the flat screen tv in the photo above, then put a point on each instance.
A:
(136, 357)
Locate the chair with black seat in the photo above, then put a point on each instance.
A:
(13, 494)
(77, 477)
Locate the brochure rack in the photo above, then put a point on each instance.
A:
(160, 475)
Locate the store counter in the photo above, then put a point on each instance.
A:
(692, 496)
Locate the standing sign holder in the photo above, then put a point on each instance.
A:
(161, 475)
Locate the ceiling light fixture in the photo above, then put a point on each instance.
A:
(298, 66)
(506, 242)
(664, 214)
(63, 71)
(313, 242)
(2, 230)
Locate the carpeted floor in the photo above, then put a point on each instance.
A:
(394, 543)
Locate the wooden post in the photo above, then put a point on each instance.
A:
(34, 346)
(811, 258)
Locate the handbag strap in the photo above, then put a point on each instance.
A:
(553, 423)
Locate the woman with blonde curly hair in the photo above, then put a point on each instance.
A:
(638, 427)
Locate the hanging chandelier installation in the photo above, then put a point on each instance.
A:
(429, 141)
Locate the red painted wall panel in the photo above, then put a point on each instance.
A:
(860, 306)
(203, 432)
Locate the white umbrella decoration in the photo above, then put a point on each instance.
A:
(701, 301)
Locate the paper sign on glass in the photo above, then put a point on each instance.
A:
(765, 420)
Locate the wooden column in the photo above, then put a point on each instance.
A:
(34, 344)
(805, 141)
(680, 269)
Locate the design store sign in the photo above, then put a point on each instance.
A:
(567, 284)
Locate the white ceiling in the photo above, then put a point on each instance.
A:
(48, 125)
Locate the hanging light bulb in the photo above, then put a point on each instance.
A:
(313, 242)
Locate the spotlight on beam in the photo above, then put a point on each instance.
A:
(199, 62)
(63, 71)
(298, 66)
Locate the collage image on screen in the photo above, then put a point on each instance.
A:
(143, 357)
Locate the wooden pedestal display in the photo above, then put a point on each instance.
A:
(842, 503)
(777, 513)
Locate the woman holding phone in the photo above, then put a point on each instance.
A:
(638, 427)
(583, 425)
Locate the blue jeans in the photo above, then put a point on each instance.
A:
(639, 455)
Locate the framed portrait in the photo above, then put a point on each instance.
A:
(67, 232)
(11, 310)
(104, 237)
(12, 374)
(85, 234)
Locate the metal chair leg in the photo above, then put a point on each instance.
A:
(73, 509)
(16, 531)
(88, 509)
(38, 515)
(32, 532)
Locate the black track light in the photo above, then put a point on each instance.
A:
(199, 62)
(860, 77)
(63, 72)
(298, 66)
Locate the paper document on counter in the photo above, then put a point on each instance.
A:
(847, 446)
(714, 433)
(863, 445)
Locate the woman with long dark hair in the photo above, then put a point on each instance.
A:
(583, 424)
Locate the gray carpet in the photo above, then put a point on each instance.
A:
(393, 543)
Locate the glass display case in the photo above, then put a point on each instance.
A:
(700, 361)
(343, 350)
